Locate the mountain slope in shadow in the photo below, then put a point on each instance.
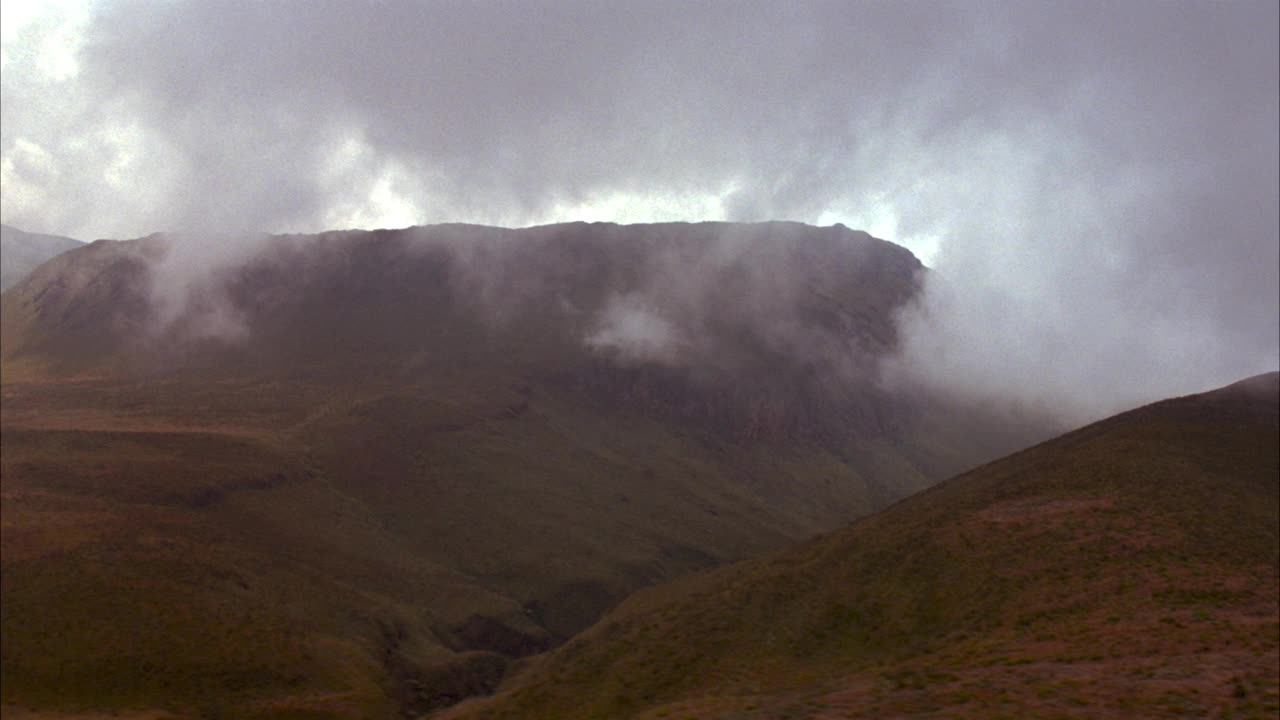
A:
(1127, 569)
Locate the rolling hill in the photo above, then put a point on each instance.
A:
(1127, 569)
(21, 252)
(356, 474)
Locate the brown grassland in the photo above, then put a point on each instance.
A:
(1127, 569)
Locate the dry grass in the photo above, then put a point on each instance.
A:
(1129, 569)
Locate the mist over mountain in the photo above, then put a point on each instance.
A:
(448, 326)
(1095, 184)
(787, 320)
(449, 446)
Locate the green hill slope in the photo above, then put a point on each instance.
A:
(1127, 569)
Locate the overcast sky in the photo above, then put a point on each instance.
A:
(1096, 182)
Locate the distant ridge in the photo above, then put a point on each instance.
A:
(21, 252)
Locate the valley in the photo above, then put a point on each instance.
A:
(1126, 569)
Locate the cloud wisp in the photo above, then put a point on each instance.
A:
(1095, 183)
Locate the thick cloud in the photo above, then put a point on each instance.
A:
(1096, 183)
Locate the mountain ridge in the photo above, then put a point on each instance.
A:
(406, 458)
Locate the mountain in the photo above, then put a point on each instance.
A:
(21, 252)
(1126, 569)
(356, 474)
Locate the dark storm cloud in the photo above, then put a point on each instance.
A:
(1101, 179)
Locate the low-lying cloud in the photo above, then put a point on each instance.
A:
(1095, 183)
(635, 331)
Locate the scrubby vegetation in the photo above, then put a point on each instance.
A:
(1128, 569)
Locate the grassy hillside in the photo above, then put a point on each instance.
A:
(356, 474)
(1127, 569)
